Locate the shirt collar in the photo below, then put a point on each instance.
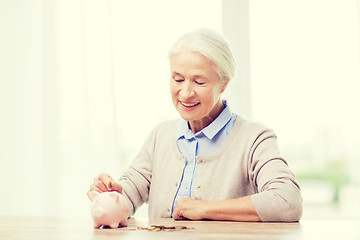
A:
(210, 131)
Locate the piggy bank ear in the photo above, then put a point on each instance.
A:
(115, 196)
(93, 194)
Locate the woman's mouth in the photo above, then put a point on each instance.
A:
(189, 105)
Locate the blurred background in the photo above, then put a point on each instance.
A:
(83, 82)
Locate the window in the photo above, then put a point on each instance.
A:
(305, 82)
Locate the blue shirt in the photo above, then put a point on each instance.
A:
(204, 142)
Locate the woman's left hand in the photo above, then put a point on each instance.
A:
(188, 208)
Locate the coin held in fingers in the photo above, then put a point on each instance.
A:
(109, 186)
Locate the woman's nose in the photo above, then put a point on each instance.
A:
(186, 90)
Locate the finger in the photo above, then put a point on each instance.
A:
(177, 215)
(100, 185)
(179, 218)
(94, 188)
(98, 190)
(88, 193)
(115, 186)
(177, 212)
(105, 179)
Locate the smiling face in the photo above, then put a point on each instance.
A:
(195, 88)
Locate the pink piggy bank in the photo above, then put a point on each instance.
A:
(108, 209)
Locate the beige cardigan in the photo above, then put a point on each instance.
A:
(248, 163)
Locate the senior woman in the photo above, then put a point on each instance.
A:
(211, 163)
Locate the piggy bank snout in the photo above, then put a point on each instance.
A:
(98, 212)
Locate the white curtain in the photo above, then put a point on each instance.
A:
(82, 82)
(57, 98)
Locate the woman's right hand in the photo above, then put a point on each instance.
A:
(104, 183)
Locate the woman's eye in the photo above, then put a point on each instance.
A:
(199, 83)
(178, 80)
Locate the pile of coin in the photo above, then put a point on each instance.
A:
(157, 228)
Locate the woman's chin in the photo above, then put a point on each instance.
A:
(187, 117)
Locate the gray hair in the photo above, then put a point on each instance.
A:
(211, 45)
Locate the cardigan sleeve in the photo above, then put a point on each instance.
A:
(278, 197)
(136, 180)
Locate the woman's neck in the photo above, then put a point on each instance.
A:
(198, 125)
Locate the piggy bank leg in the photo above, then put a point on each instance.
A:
(114, 225)
(123, 223)
(97, 225)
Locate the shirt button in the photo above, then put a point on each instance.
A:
(176, 184)
(198, 186)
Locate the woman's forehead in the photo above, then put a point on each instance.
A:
(190, 59)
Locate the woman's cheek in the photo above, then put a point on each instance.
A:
(173, 90)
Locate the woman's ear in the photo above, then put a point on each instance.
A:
(93, 194)
(224, 87)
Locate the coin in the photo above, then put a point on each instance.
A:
(157, 228)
